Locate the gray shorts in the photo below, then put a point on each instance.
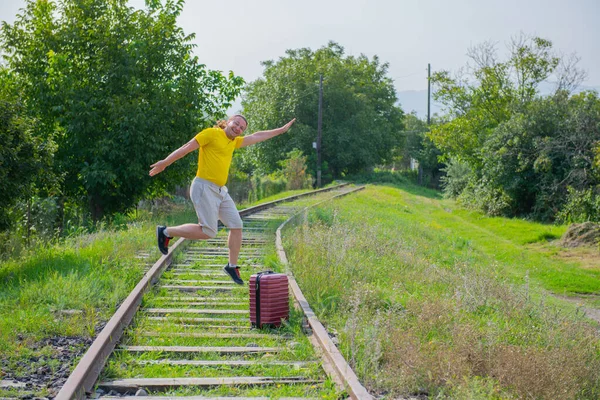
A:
(213, 202)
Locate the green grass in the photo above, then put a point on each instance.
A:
(325, 391)
(487, 238)
(285, 194)
(274, 197)
(426, 297)
(289, 338)
(70, 288)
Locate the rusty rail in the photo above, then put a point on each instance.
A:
(82, 379)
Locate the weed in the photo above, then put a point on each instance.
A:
(448, 304)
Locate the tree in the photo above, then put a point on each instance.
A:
(540, 153)
(361, 123)
(419, 147)
(520, 151)
(492, 92)
(23, 158)
(116, 89)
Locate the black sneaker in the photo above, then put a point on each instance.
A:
(163, 240)
(234, 273)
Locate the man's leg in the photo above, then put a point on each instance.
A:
(188, 231)
(234, 242)
(230, 216)
(206, 206)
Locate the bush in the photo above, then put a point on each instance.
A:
(456, 179)
(486, 198)
(581, 206)
(238, 184)
(265, 186)
(294, 171)
(386, 176)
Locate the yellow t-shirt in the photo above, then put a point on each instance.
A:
(215, 153)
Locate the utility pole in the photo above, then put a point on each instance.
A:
(319, 124)
(420, 173)
(428, 94)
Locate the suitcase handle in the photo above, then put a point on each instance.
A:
(257, 294)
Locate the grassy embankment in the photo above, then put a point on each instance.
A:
(428, 298)
(71, 288)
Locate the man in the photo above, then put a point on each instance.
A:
(208, 191)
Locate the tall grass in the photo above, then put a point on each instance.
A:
(426, 298)
(69, 288)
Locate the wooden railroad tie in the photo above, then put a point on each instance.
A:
(192, 311)
(199, 320)
(132, 385)
(202, 349)
(230, 363)
(201, 288)
(215, 335)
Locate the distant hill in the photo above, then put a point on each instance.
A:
(416, 100)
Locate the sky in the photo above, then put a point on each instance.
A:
(408, 34)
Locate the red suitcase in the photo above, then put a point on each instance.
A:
(269, 295)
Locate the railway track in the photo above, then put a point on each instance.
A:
(185, 330)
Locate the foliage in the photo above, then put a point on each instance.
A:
(24, 158)
(480, 195)
(420, 147)
(581, 206)
(361, 124)
(495, 90)
(245, 187)
(541, 151)
(265, 186)
(456, 179)
(385, 176)
(293, 169)
(522, 150)
(116, 89)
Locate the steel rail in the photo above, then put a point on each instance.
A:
(330, 352)
(84, 376)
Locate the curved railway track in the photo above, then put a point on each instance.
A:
(184, 330)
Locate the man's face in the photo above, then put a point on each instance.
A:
(236, 126)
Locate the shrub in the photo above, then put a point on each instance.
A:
(581, 206)
(386, 176)
(456, 179)
(294, 171)
(265, 186)
(486, 198)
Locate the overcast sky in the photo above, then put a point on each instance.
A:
(238, 34)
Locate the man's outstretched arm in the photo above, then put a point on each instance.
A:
(261, 136)
(159, 166)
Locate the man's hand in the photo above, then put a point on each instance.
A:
(158, 167)
(287, 126)
(261, 136)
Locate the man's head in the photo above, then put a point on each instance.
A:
(236, 125)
